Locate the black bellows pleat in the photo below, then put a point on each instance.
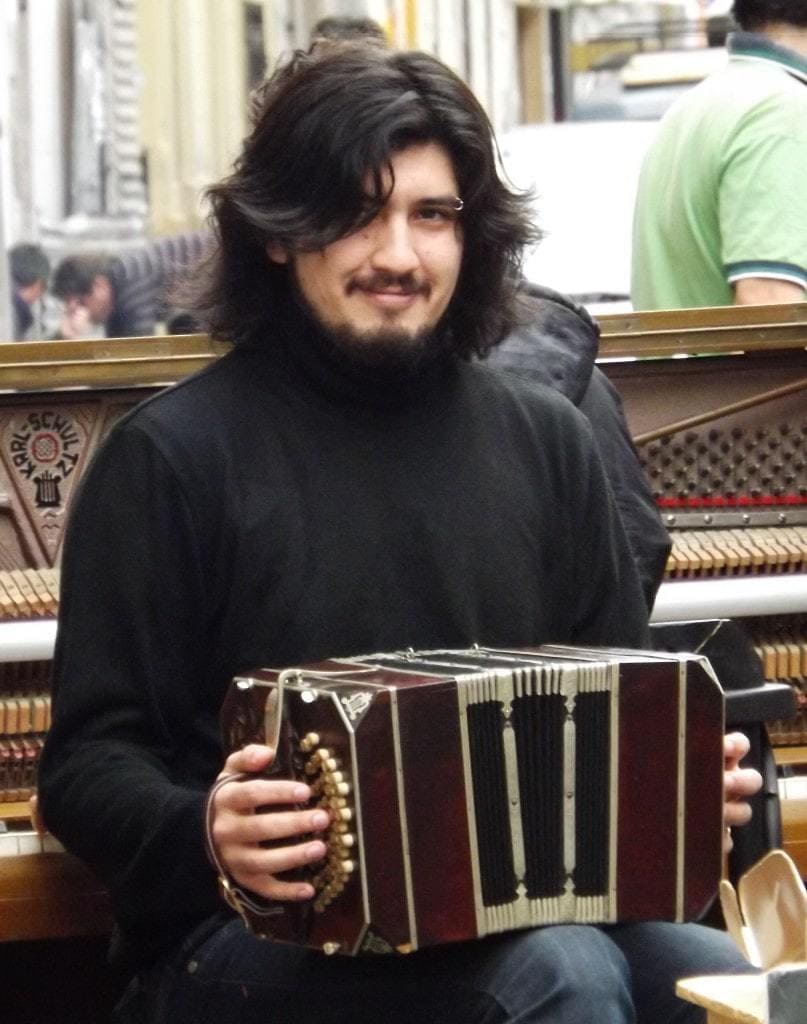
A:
(496, 867)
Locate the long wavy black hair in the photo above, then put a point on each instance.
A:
(755, 14)
(325, 125)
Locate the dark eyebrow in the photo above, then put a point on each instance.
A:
(452, 202)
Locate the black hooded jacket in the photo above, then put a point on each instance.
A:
(557, 347)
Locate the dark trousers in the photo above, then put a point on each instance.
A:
(564, 974)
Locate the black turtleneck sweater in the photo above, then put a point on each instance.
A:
(273, 510)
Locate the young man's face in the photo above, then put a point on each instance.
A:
(394, 278)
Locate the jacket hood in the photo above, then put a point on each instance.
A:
(556, 344)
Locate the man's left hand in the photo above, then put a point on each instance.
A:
(740, 784)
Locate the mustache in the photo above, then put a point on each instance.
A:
(403, 284)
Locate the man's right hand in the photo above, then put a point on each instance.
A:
(248, 812)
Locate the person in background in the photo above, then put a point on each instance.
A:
(127, 295)
(721, 206)
(556, 345)
(29, 269)
(353, 476)
(364, 30)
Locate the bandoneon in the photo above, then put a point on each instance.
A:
(482, 790)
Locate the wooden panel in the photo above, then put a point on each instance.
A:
(726, 329)
(794, 827)
(114, 362)
(50, 895)
(646, 853)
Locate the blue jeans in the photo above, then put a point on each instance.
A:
(564, 974)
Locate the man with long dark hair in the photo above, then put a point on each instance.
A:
(348, 479)
(721, 206)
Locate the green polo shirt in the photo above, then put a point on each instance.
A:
(723, 190)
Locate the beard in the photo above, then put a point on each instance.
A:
(385, 353)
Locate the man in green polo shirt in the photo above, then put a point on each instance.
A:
(721, 208)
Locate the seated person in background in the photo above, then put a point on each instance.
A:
(29, 269)
(721, 207)
(556, 345)
(347, 479)
(125, 296)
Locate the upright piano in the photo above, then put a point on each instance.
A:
(715, 400)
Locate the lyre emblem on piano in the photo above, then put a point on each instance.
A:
(47, 490)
